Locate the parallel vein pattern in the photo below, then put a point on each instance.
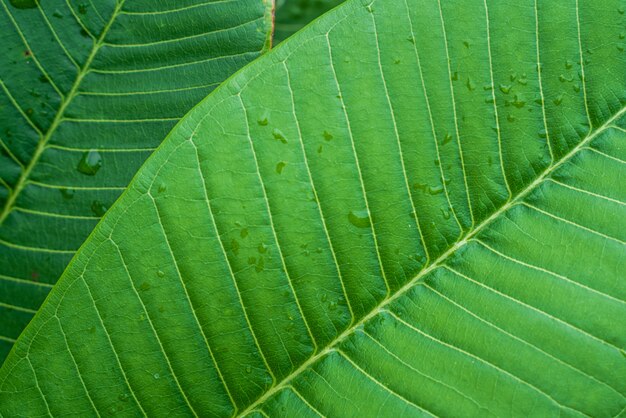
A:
(373, 220)
(87, 92)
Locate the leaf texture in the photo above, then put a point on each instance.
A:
(87, 91)
(411, 208)
(293, 15)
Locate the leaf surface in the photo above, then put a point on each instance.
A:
(407, 209)
(87, 91)
(293, 15)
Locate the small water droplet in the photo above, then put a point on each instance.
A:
(67, 193)
(234, 246)
(446, 139)
(558, 100)
(251, 261)
(455, 76)
(505, 88)
(621, 10)
(160, 273)
(568, 64)
(488, 87)
(622, 35)
(123, 397)
(144, 286)
(98, 208)
(162, 187)
(244, 233)
(262, 248)
(470, 84)
(466, 44)
(359, 218)
(510, 118)
(620, 47)
(411, 39)
(328, 136)
(576, 87)
(435, 190)
(82, 8)
(260, 265)
(156, 376)
(57, 14)
(277, 133)
(280, 166)
(320, 149)
(513, 76)
(263, 120)
(90, 163)
(445, 213)
(248, 369)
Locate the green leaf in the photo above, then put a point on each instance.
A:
(87, 91)
(293, 15)
(408, 209)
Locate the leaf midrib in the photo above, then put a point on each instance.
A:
(437, 263)
(43, 142)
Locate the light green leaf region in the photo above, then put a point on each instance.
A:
(88, 89)
(292, 15)
(411, 208)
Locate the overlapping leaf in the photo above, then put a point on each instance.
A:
(412, 208)
(87, 91)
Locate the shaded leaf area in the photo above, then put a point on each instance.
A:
(87, 91)
(374, 219)
(293, 15)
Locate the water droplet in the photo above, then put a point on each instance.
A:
(24, 4)
(435, 190)
(543, 134)
(279, 135)
(369, 8)
(160, 273)
(90, 163)
(510, 118)
(505, 88)
(513, 76)
(162, 187)
(522, 80)
(98, 208)
(156, 376)
(328, 136)
(144, 286)
(262, 248)
(82, 8)
(518, 101)
(234, 246)
(488, 87)
(470, 84)
(320, 149)
(620, 47)
(490, 160)
(455, 76)
(280, 166)
(576, 87)
(251, 261)
(67, 193)
(123, 397)
(621, 10)
(332, 306)
(260, 265)
(566, 79)
(437, 162)
(490, 99)
(622, 35)
(244, 233)
(466, 44)
(263, 120)
(57, 14)
(359, 218)
(568, 64)
(248, 369)
(324, 297)
(445, 213)
(397, 61)
(558, 100)
(446, 139)
(411, 39)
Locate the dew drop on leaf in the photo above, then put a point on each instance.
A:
(359, 218)
(23, 4)
(280, 166)
(90, 163)
(98, 208)
(67, 193)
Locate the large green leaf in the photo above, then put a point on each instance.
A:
(292, 15)
(87, 91)
(410, 208)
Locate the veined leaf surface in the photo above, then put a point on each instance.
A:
(87, 91)
(412, 208)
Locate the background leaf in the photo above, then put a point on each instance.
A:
(292, 15)
(87, 91)
(374, 219)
